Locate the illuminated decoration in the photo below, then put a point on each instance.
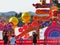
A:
(26, 36)
(37, 5)
(53, 23)
(41, 5)
(42, 11)
(14, 20)
(1, 26)
(43, 15)
(55, 8)
(8, 26)
(20, 29)
(34, 23)
(55, 13)
(26, 17)
(41, 2)
(30, 28)
(51, 14)
(54, 34)
(46, 23)
(52, 29)
(25, 27)
(35, 18)
(46, 16)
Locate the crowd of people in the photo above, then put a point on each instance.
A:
(12, 40)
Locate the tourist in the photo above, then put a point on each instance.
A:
(5, 38)
(12, 40)
(34, 38)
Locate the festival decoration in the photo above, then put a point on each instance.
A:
(14, 20)
(41, 2)
(51, 14)
(37, 5)
(2, 20)
(20, 29)
(54, 23)
(54, 8)
(8, 26)
(42, 18)
(35, 18)
(26, 17)
(25, 27)
(1, 26)
(26, 35)
(46, 23)
(35, 25)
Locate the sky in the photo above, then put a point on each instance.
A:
(17, 5)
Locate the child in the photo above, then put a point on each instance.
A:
(12, 40)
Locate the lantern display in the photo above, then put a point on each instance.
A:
(26, 17)
(14, 20)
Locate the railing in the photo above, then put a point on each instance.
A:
(39, 42)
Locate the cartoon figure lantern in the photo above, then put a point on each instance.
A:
(14, 20)
(26, 17)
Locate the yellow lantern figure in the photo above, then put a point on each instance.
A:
(14, 20)
(41, 1)
(26, 17)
